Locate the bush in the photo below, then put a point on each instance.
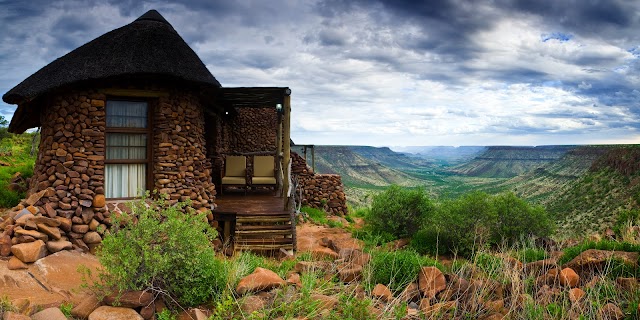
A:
(458, 225)
(398, 212)
(517, 219)
(395, 269)
(166, 252)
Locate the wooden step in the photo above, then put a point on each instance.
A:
(263, 227)
(262, 219)
(263, 247)
(262, 233)
(264, 241)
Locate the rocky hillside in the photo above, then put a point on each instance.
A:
(610, 185)
(544, 183)
(508, 162)
(365, 166)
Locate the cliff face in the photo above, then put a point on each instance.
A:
(507, 162)
(374, 168)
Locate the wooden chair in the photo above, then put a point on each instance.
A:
(264, 173)
(235, 173)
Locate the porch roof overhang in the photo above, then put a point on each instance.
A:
(252, 97)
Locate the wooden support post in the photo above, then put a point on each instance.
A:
(286, 144)
(279, 156)
(313, 158)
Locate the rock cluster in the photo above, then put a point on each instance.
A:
(322, 191)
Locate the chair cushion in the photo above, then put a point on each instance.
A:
(263, 180)
(235, 166)
(234, 180)
(263, 166)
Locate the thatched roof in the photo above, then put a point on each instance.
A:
(149, 46)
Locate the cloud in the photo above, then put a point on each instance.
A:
(385, 72)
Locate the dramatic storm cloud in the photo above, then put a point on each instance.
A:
(388, 72)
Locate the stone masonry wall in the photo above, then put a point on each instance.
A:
(181, 166)
(321, 191)
(66, 206)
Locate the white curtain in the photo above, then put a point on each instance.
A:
(125, 180)
(126, 114)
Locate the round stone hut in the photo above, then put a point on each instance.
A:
(119, 115)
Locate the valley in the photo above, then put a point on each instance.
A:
(584, 187)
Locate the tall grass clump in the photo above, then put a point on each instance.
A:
(398, 212)
(163, 250)
(395, 269)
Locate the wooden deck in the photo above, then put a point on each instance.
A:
(257, 221)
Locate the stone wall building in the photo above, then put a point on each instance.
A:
(134, 110)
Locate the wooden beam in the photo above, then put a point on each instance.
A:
(286, 144)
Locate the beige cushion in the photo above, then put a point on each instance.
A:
(263, 166)
(234, 180)
(263, 180)
(235, 166)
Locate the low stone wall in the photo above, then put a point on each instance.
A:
(321, 191)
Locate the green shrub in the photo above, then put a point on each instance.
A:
(517, 219)
(458, 226)
(165, 251)
(395, 269)
(315, 215)
(399, 212)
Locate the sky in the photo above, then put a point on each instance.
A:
(387, 72)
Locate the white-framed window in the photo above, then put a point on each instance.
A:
(127, 155)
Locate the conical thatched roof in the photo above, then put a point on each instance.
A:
(149, 46)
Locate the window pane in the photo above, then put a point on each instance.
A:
(126, 114)
(125, 180)
(126, 146)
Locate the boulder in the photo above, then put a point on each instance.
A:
(9, 315)
(431, 281)
(576, 295)
(611, 312)
(92, 237)
(49, 314)
(350, 272)
(29, 252)
(322, 253)
(381, 292)
(597, 259)
(261, 279)
(85, 307)
(251, 304)
(569, 278)
(15, 264)
(99, 201)
(52, 232)
(114, 313)
(55, 246)
(324, 302)
(5, 245)
(129, 299)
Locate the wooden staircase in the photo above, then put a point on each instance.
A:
(264, 232)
